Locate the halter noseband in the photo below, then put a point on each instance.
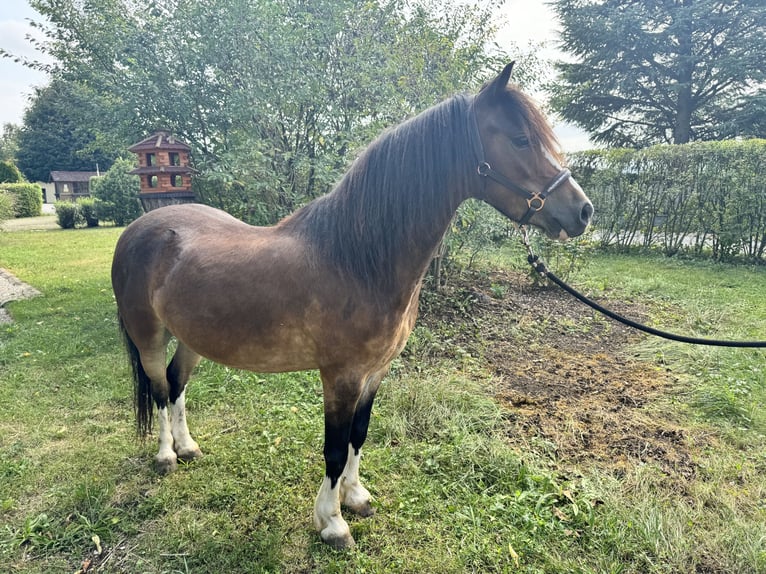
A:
(535, 200)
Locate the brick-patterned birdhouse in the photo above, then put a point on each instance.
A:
(163, 166)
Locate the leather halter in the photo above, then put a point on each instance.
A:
(535, 200)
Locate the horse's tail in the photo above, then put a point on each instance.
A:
(142, 386)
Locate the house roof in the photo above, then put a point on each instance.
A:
(72, 176)
(160, 140)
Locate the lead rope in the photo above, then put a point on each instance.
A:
(538, 265)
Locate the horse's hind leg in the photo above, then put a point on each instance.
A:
(167, 388)
(153, 356)
(178, 373)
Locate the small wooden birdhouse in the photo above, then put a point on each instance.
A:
(163, 166)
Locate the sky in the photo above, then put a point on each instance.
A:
(526, 20)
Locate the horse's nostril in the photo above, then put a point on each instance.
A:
(586, 213)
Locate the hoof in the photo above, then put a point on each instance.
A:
(365, 509)
(165, 465)
(189, 455)
(337, 541)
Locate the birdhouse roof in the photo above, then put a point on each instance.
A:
(161, 140)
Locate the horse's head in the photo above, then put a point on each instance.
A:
(518, 157)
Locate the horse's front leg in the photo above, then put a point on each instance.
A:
(353, 495)
(340, 399)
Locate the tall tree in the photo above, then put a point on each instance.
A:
(9, 142)
(654, 71)
(60, 132)
(273, 95)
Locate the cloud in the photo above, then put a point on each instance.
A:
(17, 79)
(14, 34)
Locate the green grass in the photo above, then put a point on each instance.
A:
(700, 299)
(451, 494)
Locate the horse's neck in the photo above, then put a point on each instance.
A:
(381, 226)
(412, 263)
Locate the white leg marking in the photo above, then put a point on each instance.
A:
(352, 493)
(327, 518)
(185, 445)
(166, 457)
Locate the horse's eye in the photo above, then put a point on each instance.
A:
(520, 142)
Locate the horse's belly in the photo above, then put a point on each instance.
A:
(275, 353)
(293, 356)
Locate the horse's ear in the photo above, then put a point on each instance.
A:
(498, 85)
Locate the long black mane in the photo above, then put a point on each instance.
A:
(397, 197)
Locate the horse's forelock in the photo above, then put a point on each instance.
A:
(539, 130)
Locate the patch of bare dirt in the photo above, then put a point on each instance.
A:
(564, 372)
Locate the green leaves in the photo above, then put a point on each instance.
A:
(662, 72)
(275, 97)
(27, 198)
(704, 197)
(60, 131)
(116, 194)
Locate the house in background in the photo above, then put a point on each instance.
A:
(48, 189)
(71, 185)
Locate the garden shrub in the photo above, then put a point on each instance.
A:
(27, 198)
(116, 194)
(87, 208)
(67, 214)
(9, 173)
(703, 197)
(6, 206)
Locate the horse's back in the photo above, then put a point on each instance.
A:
(190, 218)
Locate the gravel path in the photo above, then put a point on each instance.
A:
(11, 289)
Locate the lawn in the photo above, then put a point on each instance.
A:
(469, 469)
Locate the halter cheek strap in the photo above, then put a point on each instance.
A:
(535, 200)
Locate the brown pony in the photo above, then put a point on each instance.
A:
(334, 286)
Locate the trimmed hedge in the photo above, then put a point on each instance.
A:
(704, 197)
(6, 206)
(73, 214)
(27, 198)
(87, 208)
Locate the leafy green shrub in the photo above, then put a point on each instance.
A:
(27, 198)
(475, 228)
(9, 173)
(67, 214)
(562, 257)
(87, 209)
(116, 194)
(703, 197)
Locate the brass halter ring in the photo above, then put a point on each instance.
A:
(536, 202)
